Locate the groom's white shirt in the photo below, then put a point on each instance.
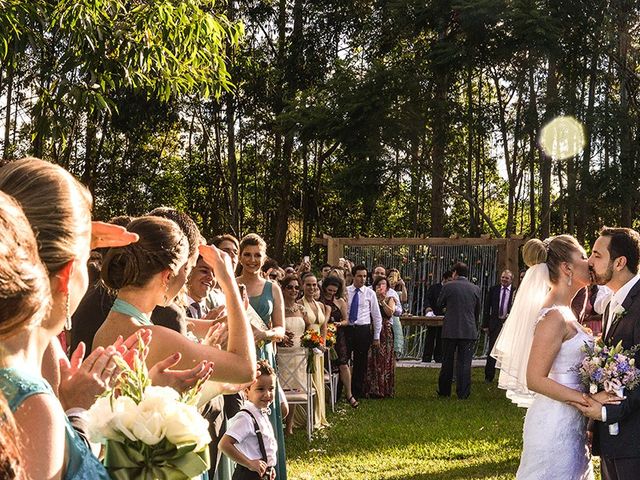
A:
(617, 299)
(602, 299)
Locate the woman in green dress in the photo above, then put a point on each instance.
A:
(266, 299)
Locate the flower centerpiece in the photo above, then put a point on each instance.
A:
(611, 369)
(148, 431)
(313, 342)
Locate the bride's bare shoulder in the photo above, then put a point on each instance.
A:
(552, 316)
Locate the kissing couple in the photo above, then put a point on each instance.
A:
(541, 344)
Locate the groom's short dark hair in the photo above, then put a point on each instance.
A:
(624, 242)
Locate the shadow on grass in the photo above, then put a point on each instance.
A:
(502, 469)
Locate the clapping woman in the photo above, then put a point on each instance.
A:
(50, 446)
(150, 272)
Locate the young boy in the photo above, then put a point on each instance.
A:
(249, 440)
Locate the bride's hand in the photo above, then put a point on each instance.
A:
(588, 407)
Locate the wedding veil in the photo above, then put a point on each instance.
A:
(513, 345)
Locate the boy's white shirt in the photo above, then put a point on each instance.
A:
(241, 428)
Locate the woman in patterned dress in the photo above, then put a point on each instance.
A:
(381, 376)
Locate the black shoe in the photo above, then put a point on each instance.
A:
(442, 395)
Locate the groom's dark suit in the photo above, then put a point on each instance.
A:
(621, 453)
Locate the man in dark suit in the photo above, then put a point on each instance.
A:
(614, 262)
(461, 300)
(433, 341)
(497, 306)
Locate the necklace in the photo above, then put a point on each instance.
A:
(126, 308)
(292, 309)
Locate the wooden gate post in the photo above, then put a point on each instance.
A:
(513, 255)
(334, 250)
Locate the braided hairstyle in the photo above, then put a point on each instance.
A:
(162, 245)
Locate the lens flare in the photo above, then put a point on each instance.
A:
(563, 137)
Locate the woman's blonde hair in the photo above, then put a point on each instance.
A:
(57, 206)
(553, 251)
(25, 297)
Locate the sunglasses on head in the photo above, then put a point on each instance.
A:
(292, 287)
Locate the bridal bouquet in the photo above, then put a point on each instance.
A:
(611, 369)
(313, 342)
(150, 432)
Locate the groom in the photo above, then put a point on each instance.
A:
(614, 262)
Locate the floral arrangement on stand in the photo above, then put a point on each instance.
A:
(607, 368)
(149, 432)
(314, 343)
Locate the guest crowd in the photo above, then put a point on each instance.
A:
(77, 298)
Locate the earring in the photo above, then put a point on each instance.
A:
(67, 321)
(570, 281)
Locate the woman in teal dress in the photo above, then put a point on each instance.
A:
(266, 299)
(49, 442)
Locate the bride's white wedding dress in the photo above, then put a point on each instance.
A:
(554, 436)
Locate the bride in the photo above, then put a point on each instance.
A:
(536, 352)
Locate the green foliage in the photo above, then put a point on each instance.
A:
(347, 118)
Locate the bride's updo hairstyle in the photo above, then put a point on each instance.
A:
(161, 246)
(57, 206)
(553, 251)
(25, 298)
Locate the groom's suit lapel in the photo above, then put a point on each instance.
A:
(626, 304)
(605, 322)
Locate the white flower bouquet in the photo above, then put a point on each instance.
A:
(150, 432)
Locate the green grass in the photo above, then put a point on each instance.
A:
(415, 436)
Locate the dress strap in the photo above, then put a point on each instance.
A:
(18, 385)
(311, 315)
(121, 306)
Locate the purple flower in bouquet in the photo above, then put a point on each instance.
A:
(608, 368)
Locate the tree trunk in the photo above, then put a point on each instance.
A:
(583, 213)
(440, 127)
(232, 161)
(7, 128)
(473, 227)
(551, 103)
(291, 66)
(627, 187)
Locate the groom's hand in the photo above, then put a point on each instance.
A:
(589, 407)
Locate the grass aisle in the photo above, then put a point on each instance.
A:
(415, 436)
